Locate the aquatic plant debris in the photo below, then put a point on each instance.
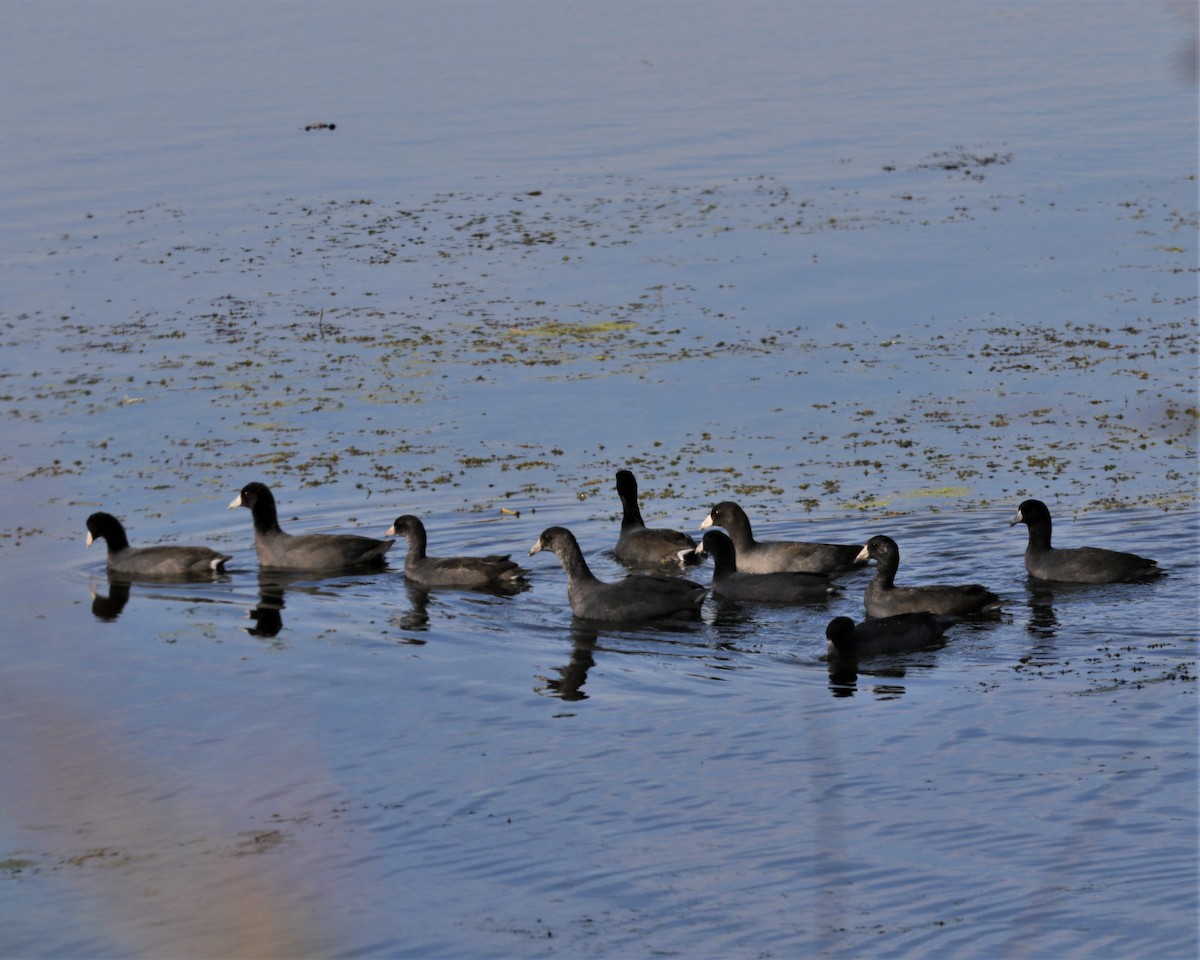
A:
(377, 314)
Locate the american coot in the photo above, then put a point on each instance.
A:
(1075, 564)
(778, 555)
(161, 561)
(782, 587)
(899, 634)
(641, 546)
(468, 572)
(637, 597)
(885, 599)
(278, 550)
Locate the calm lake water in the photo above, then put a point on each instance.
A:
(864, 268)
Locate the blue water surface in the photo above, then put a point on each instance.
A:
(864, 267)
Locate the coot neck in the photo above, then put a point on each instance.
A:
(417, 542)
(633, 516)
(1039, 535)
(740, 531)
(724, 562)
(266, 519)
(574, 564)
(116, 539)
(885, 569)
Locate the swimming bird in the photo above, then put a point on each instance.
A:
(884, 599)
(637, 597)
(468, 572)
(730, 583)
(639, 545)
(901, 633)
(771, 556)
(157, 561)
(278, 550)
(1075, 564)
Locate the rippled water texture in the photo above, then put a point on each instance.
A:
(864, 268)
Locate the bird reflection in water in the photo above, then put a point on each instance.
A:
(1043, 625)
(274, 584)
(268, 614)
(416, 618)
(572, 677)
(679, 637)
(108, 607)
(843, 680)
(1043, 621)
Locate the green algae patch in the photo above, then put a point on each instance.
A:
(866, 503)
(578, 331)
(938, 493)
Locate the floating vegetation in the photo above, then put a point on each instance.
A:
(497, 333)
(962, 161)
(576, 331)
